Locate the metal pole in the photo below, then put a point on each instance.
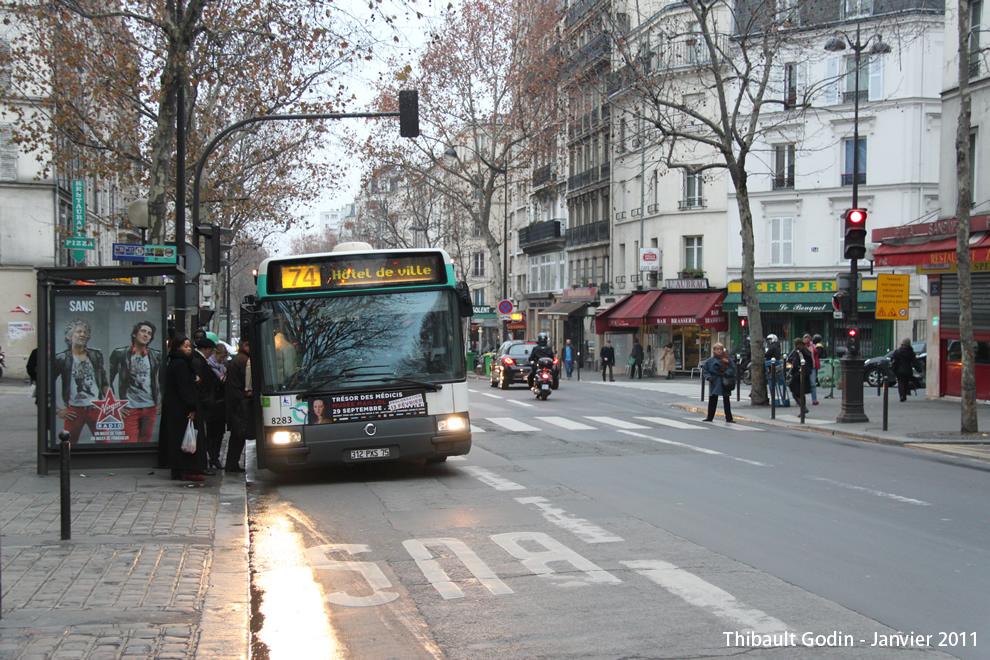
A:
(801, 387)
(702, 382)
(505, 250)
(65, 495)
(773, 388)
(852, 392)
(885, 388)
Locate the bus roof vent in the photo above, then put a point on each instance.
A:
(352, 246)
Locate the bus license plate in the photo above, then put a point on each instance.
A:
(369, 453)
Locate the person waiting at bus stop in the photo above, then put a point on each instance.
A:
(240, 415)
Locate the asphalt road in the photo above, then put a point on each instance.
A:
(604, 523)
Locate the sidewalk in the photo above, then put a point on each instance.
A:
(154, 569)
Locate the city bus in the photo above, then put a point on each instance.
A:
(357, 355)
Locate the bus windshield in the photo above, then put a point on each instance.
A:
(348, 342)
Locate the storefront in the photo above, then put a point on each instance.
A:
(794, 308)
(931, 249)
(690, 320)
(484, 333)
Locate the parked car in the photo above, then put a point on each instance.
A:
(510, 366)
(872, 367)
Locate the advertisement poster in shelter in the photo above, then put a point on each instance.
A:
(107, 360)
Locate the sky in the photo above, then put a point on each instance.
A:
(411, 32)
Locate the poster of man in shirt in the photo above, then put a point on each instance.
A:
(108, 365)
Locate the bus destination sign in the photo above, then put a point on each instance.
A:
(343, 272)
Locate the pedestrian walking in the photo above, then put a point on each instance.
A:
(800, 382)
(240, 413)
(668, 361)
(636, 359)
(720, 372)
(569, 355)
(608, 361)
(817, 364)
(179, 405)
(904, 361)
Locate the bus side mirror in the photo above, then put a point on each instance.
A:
(464, 304)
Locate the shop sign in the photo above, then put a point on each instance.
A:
(790, 286)
(945, 268)
(800, 307)
(649, 259)
(687, 283)
(580, 294)
(483, 311)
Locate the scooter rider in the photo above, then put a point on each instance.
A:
(541, 350)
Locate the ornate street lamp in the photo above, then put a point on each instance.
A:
(852, 361)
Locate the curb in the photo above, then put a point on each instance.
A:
(893, 442)
(227, 603)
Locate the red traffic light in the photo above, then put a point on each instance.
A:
(856, 217)
(742, 323)
(853, 333)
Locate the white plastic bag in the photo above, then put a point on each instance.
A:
(189, 439)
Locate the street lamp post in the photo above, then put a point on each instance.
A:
(852, 362)
(451, 154)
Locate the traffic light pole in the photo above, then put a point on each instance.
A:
(852, 362)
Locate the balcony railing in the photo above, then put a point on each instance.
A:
(847, 179)
(652, 208)
(594, 232)
(783, 182)
(542, 175)
(540, 232)
(691, 203)
(850, 97)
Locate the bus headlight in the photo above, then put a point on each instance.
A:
(285, 437)
(453, 423)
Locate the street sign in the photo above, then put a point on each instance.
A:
(79, 243)
(505, 307)
(152, 254)
(892, 296)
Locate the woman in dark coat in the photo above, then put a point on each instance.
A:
(715, 368)
(903, 365)
(800, 373)
(178, 407)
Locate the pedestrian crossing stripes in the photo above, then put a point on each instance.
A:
(617, 423)
(673, 423)
(512, 424)
(519, 426)
(565, 423)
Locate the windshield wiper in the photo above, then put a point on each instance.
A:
(429, 387)
(346, 373)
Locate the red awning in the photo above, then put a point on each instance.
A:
(627, 313)
(930, 253)
(703, 309)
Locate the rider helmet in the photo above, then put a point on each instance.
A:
(771, 338)
(542, 339)
(817, 339)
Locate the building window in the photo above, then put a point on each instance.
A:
(783, 169)
(4, 62)
(479, 297)
(974, 38)
(693, 253)
(973, 162)
(781, 241)
(847, 172)
(851, 91)
(854, 8)
(790, 85)
(693, 198)
(8, 154)
(478, 264)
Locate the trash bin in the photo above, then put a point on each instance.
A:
(488, 364)
(470, 360)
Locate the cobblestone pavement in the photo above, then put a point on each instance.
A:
(153, 569)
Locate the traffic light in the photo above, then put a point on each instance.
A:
(743, 323)
(409, 113)
(855, 233)
(852, 341)
(213, 245)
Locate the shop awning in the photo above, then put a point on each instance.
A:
(703, 309)
(929, 253)
(809, 302)
(627, 313)
(563, 308)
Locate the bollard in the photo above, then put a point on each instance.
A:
(885, 404)
(773, 388)
(801, 387)
(702, 384)
(65, 449)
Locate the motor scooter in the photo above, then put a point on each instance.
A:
(543, 378)
(3, 365)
